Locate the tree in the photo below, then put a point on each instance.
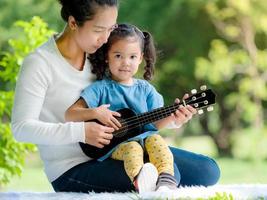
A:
(12, 153)
(237, 67)
(13, 10)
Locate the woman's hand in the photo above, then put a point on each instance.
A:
(107, 117)
(183, 114)
(97, 134)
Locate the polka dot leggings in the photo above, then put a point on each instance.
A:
(132, 154)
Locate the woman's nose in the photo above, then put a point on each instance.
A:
(104, 37)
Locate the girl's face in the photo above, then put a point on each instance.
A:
(94, 33)
(124, 57)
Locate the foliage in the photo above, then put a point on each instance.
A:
(250, 144)
(12, 153)
(236, 66)
(223, 196)
(13, 10)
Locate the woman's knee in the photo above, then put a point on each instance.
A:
(177, 174)
(211, 170)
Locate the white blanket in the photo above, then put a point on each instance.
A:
(245, 191)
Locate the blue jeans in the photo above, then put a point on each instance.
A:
(109, 175)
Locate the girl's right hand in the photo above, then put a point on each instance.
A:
(97, 134)
(107, 117)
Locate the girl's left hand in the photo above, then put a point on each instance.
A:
(183, 114)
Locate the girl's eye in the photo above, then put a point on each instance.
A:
(133, 57)
(117, 56)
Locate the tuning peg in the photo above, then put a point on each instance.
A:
(203, 87)
(210, 108)
(193, 91)
(200, 111)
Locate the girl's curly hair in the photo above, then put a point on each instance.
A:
(98, 59)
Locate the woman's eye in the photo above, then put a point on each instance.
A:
(133, 57)
(117, 56)
(98, 31)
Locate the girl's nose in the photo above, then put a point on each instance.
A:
(126, 62)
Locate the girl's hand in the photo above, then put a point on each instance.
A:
(183, 114)
(97, 134)
(107, 117)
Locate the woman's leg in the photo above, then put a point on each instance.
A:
(106, 176)
(195, 169)
(110, 176)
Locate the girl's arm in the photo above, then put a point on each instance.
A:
(79, 112)
(177, 119)
(163, 123)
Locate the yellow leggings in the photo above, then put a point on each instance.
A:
(132, 154)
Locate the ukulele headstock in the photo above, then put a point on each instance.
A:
(204, 98)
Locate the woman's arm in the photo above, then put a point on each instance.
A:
(31, 90)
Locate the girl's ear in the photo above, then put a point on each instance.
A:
(141, 58)
(72, 23)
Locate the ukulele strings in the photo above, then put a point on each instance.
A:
(134, 121)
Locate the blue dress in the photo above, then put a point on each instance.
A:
(140, 97)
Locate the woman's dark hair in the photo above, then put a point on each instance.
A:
(83, 10)
(98, 59)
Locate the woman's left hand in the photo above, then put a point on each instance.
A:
(183, 114)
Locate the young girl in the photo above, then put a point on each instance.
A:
(115, 65)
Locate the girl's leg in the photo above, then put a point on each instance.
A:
(132, 155)
(195, 169)
(159, 154)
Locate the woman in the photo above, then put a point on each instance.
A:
(52, 78)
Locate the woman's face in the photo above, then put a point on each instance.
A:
(94, 33)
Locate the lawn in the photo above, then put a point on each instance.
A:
(232, 171)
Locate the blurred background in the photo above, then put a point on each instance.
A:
(219, 43)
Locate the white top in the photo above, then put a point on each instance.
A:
(46, 87)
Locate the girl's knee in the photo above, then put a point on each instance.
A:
(133, 145)
(154, 137)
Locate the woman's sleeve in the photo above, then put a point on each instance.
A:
(31, 87)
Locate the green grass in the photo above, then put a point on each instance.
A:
(232, 171)
(239, 171)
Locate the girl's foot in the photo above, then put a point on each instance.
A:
(146, 179)
(166, 182)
